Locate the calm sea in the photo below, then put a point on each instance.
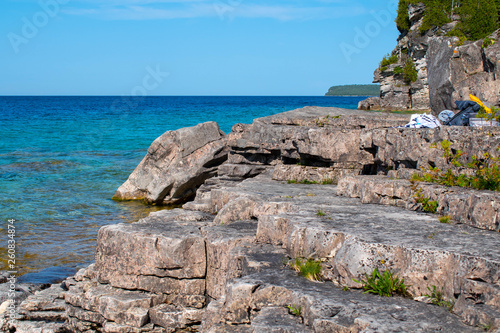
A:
(62, 159)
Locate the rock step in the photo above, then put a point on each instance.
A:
(480, 209)
(203, 201)
(260, 301)
(353, 238)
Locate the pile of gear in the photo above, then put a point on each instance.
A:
(466, 116)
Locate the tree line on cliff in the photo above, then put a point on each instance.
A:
(476, 19)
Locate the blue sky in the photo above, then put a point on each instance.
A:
(191, 47)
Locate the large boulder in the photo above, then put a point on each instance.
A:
(176, 164)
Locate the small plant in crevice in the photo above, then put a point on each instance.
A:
(305, 181)
(295, 310)
(428, 205)
(384, 284)
(436, 297)
(487, 327)
(346, 288)
(445, 219)
(327, 181)
(488, 42)
(319, 212)
(308, 268)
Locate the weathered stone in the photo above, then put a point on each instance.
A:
(323, 307)
(111, 327)
(220, 241)
(38, 327)
(45, 300)
(85, 315)
(476, 208)
(176, 164)
(129, 309)
(370, 104)
(277, 320)
(314, 174)
(170, 316)
(242, 171)
(152, 249)
(422, 250)
(239, 209)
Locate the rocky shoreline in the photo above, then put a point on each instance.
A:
(323, 183)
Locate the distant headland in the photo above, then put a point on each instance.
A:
(354, 90)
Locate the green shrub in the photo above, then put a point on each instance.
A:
(428, 205)
(478, 18)
(485, 170)
(385, 284)
(389, 60)
(493, 115)
(488, 42)
(398, 70)
(410, 73)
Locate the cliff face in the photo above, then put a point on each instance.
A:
(447, 69)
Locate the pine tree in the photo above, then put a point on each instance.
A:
(479, 18)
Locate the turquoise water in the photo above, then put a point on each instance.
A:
(62, 159)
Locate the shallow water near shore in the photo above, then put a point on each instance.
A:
(62, 159)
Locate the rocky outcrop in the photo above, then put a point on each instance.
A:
(447, 70)
(176, 164)
(480, 209)
(221, 264)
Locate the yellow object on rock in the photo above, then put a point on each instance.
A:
(478, 101)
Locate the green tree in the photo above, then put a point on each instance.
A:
(436, 15)
(403, 19)
(479, 18)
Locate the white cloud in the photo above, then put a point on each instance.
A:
(181, 9)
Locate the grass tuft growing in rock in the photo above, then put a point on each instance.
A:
(384, 284)
(305, 181)
(437, 298)
(295, 310)
(319, 212)
(445, 219)
(308, 268)
(327, 181)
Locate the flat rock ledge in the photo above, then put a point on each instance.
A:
(187, 271)
(220, 263)
(480, 209)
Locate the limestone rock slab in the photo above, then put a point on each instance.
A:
(176, 164)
